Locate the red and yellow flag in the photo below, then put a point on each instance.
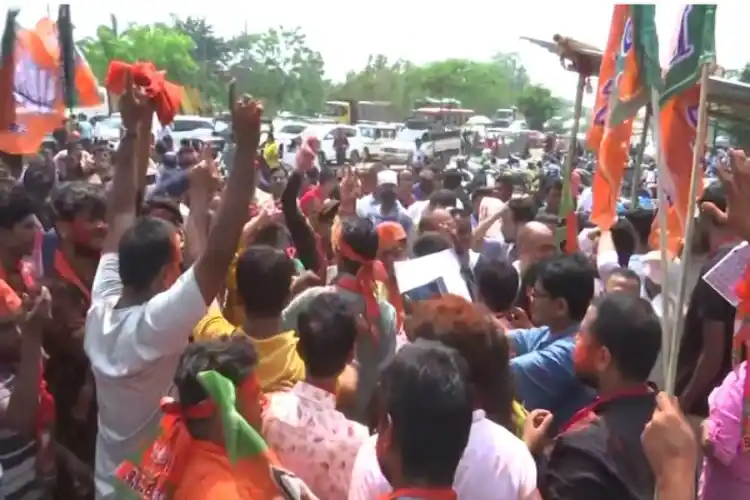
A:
(38, 91)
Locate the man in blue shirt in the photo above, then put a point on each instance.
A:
(543, 364)
(383, 204)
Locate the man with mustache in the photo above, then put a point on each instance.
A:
(67, 257)
(599, 452)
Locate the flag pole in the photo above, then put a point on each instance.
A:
(667, 315)
(639, 157)
(685, 261)
(568, 167)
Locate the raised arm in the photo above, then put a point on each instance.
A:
(137, 113)
(211, 267)
(300, 231)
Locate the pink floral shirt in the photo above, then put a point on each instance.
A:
(312, 439)
(726, 470)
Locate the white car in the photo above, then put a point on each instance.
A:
(109, 130)
(402, 148)
(374, 135)
(191, 127)
(327, 132)
(287, 132)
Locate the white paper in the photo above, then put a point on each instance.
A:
(439, 269)
(725, 275)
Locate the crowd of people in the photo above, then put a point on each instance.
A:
(171, 332)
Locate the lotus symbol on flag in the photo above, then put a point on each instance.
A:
(35, 88)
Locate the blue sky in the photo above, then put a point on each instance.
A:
(346, 32)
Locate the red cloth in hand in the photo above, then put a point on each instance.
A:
(165, 96)
(309, 198)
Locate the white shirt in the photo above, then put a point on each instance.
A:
(417, 209)
(415, 212)
(134, 354)
(496, 464)
(586, 201)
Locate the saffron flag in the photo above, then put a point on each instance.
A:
(693, 46)
(629, 92)
(607, 73)
(37, 89)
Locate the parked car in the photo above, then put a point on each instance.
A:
(286, 132)
(374, 135)
(327, 132)
(191, 127)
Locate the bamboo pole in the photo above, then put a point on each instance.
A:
(572, 141)
(668, 317)
(639, 157)
(686, 258)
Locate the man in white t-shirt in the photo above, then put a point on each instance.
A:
(142, 311)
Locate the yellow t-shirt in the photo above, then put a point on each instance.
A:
(278, 361)
(213, 325)
(271, 155)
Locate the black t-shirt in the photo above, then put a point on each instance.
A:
(705, 305)
(602, 458)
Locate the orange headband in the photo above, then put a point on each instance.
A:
(369, 272)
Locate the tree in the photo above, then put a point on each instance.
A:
(482, 86)
(537, 104)
(382, 80)
(211, 54)
(166, 47)
(280, 68)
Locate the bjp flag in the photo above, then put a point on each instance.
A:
(38, 91)
(607, 74)
(637, 74)
(693, 46)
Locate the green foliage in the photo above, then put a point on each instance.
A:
(279, 67)
(167, 48)
(537, 104)
(481, 86)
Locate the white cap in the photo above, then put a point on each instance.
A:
(387, 177)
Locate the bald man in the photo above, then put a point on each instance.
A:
(535, 242)
(439, 219)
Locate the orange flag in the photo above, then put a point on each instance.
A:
(38, 91)
(679, 123)
(693, 45)
(607, 73)
(613, 151)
